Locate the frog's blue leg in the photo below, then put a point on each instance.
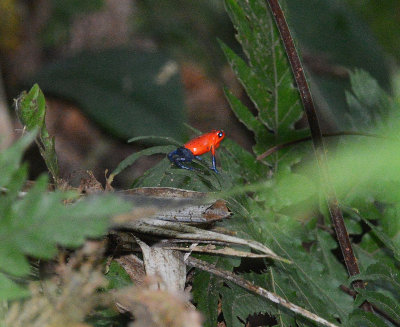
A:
(214, 164)
(198, 158)
(172, 155)
(179, 162)
(181, 155)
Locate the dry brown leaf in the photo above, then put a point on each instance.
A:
(153, 307)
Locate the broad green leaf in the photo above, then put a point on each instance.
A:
(165, 174)
(36, 222)
(255, 88)
(266, 77)
(130, 160)
(40, 221)
(125, 91)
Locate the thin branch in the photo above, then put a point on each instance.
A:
(273, 297)
(309, 109)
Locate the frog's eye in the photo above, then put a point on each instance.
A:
(220, 134)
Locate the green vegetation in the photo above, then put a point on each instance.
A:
(285, 209)
(277, 201)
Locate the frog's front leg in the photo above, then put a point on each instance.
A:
(214, 162)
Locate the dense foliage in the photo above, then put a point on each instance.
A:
(276, 201)
(285, 209)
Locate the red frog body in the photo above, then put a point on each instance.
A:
(196, 147)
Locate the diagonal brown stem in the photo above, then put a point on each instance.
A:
(308, 105)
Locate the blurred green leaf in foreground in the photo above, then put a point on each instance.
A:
(34, 221)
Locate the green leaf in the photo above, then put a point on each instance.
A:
(117, 276)
(206, 295)
(380, 273)
(327, 243)
(388, 305)
(383, 237)
(10, 159)
(266, 77)
(31, 108)
(367, 101)
(168, 140)
(10, 290)
(360, 318)
(284, 192)
(157, 176)
(244, 114)
(307, 281)
(12, 260)
(239, 303)
(206, 292)
(255, 88)
(334, 41)
(165, 174)
(124, 91)
(37, 221)
(31, 111)
(130, 160)
(247, 167)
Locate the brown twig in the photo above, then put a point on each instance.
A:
(309, 109)
(273, 297)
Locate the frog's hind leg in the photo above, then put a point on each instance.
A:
(180, 156)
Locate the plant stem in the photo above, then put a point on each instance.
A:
(309, 109)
